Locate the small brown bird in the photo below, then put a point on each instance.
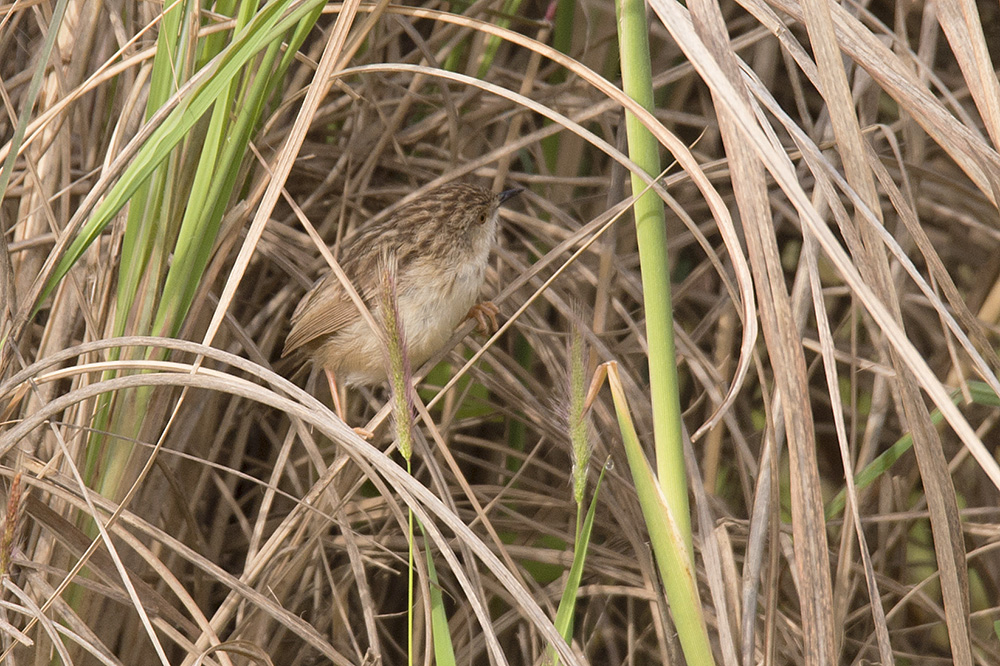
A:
(441, 244)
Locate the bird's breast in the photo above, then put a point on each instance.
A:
(433, 300)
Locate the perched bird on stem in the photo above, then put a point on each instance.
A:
(441, 244)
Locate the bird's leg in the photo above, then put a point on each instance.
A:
(335, 393)
(485, 314)
(339, 408)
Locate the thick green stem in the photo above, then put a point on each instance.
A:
(651, 233)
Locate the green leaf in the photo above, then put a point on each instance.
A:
(567, 604)
(673, 558)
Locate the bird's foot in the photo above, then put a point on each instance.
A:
(485, 314)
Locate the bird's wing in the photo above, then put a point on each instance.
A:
(323, 311)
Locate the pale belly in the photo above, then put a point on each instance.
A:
(431, 306)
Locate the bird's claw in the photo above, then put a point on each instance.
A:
(485, 314)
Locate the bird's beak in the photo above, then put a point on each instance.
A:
(509, 194)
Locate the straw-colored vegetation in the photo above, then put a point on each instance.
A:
(177, 494)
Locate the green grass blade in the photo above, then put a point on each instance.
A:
(444, 650)
(176, 208)
(510, 8)
(673, 557)
(981, 394)
(44, 54)
(567, 604)
(269, 24)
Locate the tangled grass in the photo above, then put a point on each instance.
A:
(177, 494)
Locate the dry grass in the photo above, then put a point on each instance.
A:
(836, 182)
